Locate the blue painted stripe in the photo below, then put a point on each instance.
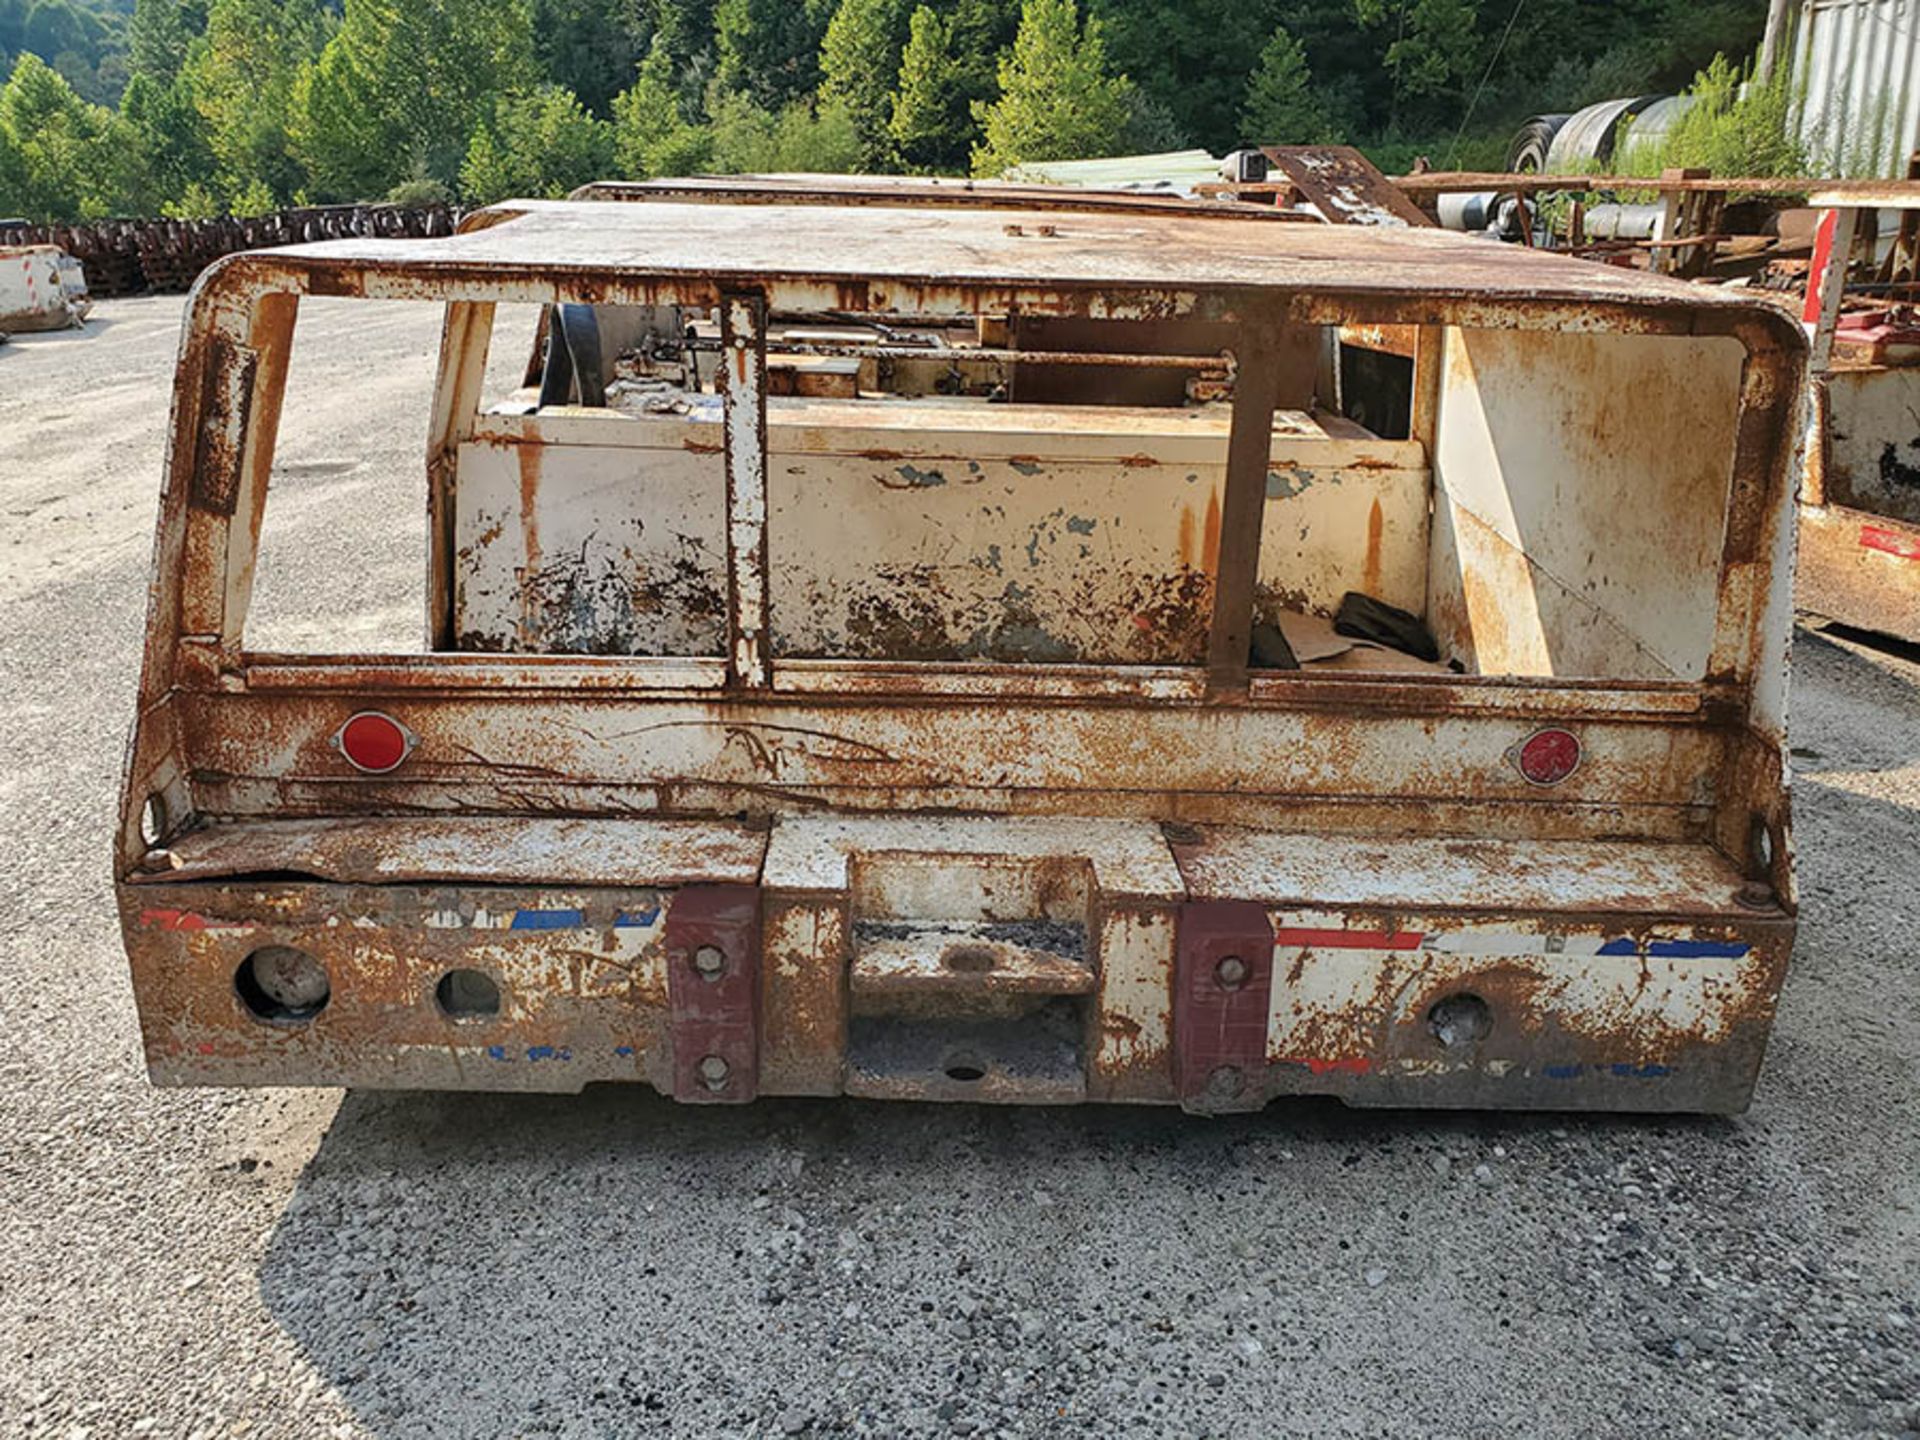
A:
(1699, 949)
(636, 919)
(548, 919)
(1680, 949)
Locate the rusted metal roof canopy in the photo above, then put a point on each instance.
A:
(954, 194)
(903, 259)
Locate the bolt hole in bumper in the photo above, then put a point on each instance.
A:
(1026, 960)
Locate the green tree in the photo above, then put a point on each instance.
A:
(770, 49)
(1192, 57)
(1282, 106)
(541, 143)
(684, 28)
(169, 138)
(402, 85)
(1151, 127)
(56, 145)
(858, 61)
(253, 198)
(222, 108)
(119, 182)
(590, 46)
(417, 191)
(242, 74)
(158, 33)
(744, 135)
(83, 40)
(197, 203)
(1433, 55)
(799, 137)
(981, 32)
(930, 123)
(821, 138)
(54, 27)
(1057, 99)
(13, 175)
(651, 134)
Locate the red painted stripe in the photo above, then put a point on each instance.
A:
(1342, 1065)
(1889, 542)
(1350, 939)
(1822, 252)
(184, 920)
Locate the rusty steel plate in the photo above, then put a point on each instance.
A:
(1222, 980)
(713, 993)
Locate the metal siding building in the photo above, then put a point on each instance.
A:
(1857, 66)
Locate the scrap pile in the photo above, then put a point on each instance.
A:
(128, 257)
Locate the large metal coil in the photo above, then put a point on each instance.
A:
(1528, 152)
(1587, 138)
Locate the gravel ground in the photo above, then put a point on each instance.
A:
(316, 1263)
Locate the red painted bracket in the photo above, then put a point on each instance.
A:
(713, 993)
(1223, 982)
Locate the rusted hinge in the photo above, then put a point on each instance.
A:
(713, 993)
(1223, 980)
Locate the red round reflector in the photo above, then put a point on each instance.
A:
(373, 742)
(1549, 756)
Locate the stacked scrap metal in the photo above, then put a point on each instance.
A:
(125, 257)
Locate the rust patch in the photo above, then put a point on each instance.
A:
(226, 403)
(585, 603)
(529, 458)
(916, 612)
(1120, 1027)
(1370, 569)
(1210, 555)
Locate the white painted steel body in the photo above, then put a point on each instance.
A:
(933, 722)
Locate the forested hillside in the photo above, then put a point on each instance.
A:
(201, 107)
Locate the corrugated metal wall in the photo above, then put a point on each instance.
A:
(1857, 65)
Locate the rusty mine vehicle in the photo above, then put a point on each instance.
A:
(1860, 494)
(969, 642)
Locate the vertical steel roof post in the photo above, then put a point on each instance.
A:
(465, 335)
(743, 382)
(1256, 394)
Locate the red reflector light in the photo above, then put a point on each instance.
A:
(1548, 756)
(374, 742)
